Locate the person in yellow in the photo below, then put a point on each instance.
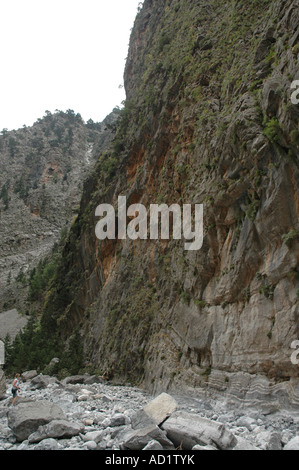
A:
(15, 388)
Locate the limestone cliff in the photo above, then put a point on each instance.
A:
(42, 170)
(208, 119)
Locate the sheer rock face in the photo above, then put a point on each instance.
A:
(208, 119)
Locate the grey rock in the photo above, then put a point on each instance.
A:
(28, 375)
(42, 381)
(153, 445)
(198, 447)
(138, 439)
(25, 418)
(246, 421)
(59, 429)
(48, 444)
(188, 429)
(244, 444)
(275, 442)
(95, 436)
(263, 439)
(91, 445)
(286, 436)
(161, 408)
(140, 420)
(106, 399)
(115, 421)
(293, 444)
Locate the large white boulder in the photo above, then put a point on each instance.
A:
(188, 429)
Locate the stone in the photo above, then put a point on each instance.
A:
(198, 447)
(293, 444)
(48, 444)
(244, 444)
(115, 421)
(153, 445)
(25, 418)
(188, 429)
(161, 408)
(91, 445)
(28, 375)
(59, 429)
(106, 399)
(138, 439)
(263, 439)
(95, 436)
(88, 422)
(246, 421)
(275, 442)
(140, 420)
(83, 397)
(42, 381)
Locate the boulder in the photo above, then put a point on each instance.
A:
(83, 379)
(293, 444)
(42, 381)
(25, 418)
(28, 375)
(161, 408)
(198, 447)
(58, 429)
(188, 429)
(140, 420)
(244, 444)
(95, 436)
(262, 439)
(118, 419)
(139, 438)
(153, 445)
(246, 422)
(91, 445)
(275, 441)
(48, 444)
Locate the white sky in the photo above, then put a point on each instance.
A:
(62, 54)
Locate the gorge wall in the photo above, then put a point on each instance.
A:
(208, 119)
(42, 170)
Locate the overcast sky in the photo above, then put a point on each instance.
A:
(62, 54)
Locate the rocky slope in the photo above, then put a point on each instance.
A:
(208, 119)
(42, 170)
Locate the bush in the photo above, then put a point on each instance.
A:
(289, 237)
(272, 130)
(294, 136)
(163, 41)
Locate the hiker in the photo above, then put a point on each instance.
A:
(15, 388)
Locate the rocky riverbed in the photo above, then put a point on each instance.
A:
(87, 413)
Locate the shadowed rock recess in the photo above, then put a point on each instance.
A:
(208, 119)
